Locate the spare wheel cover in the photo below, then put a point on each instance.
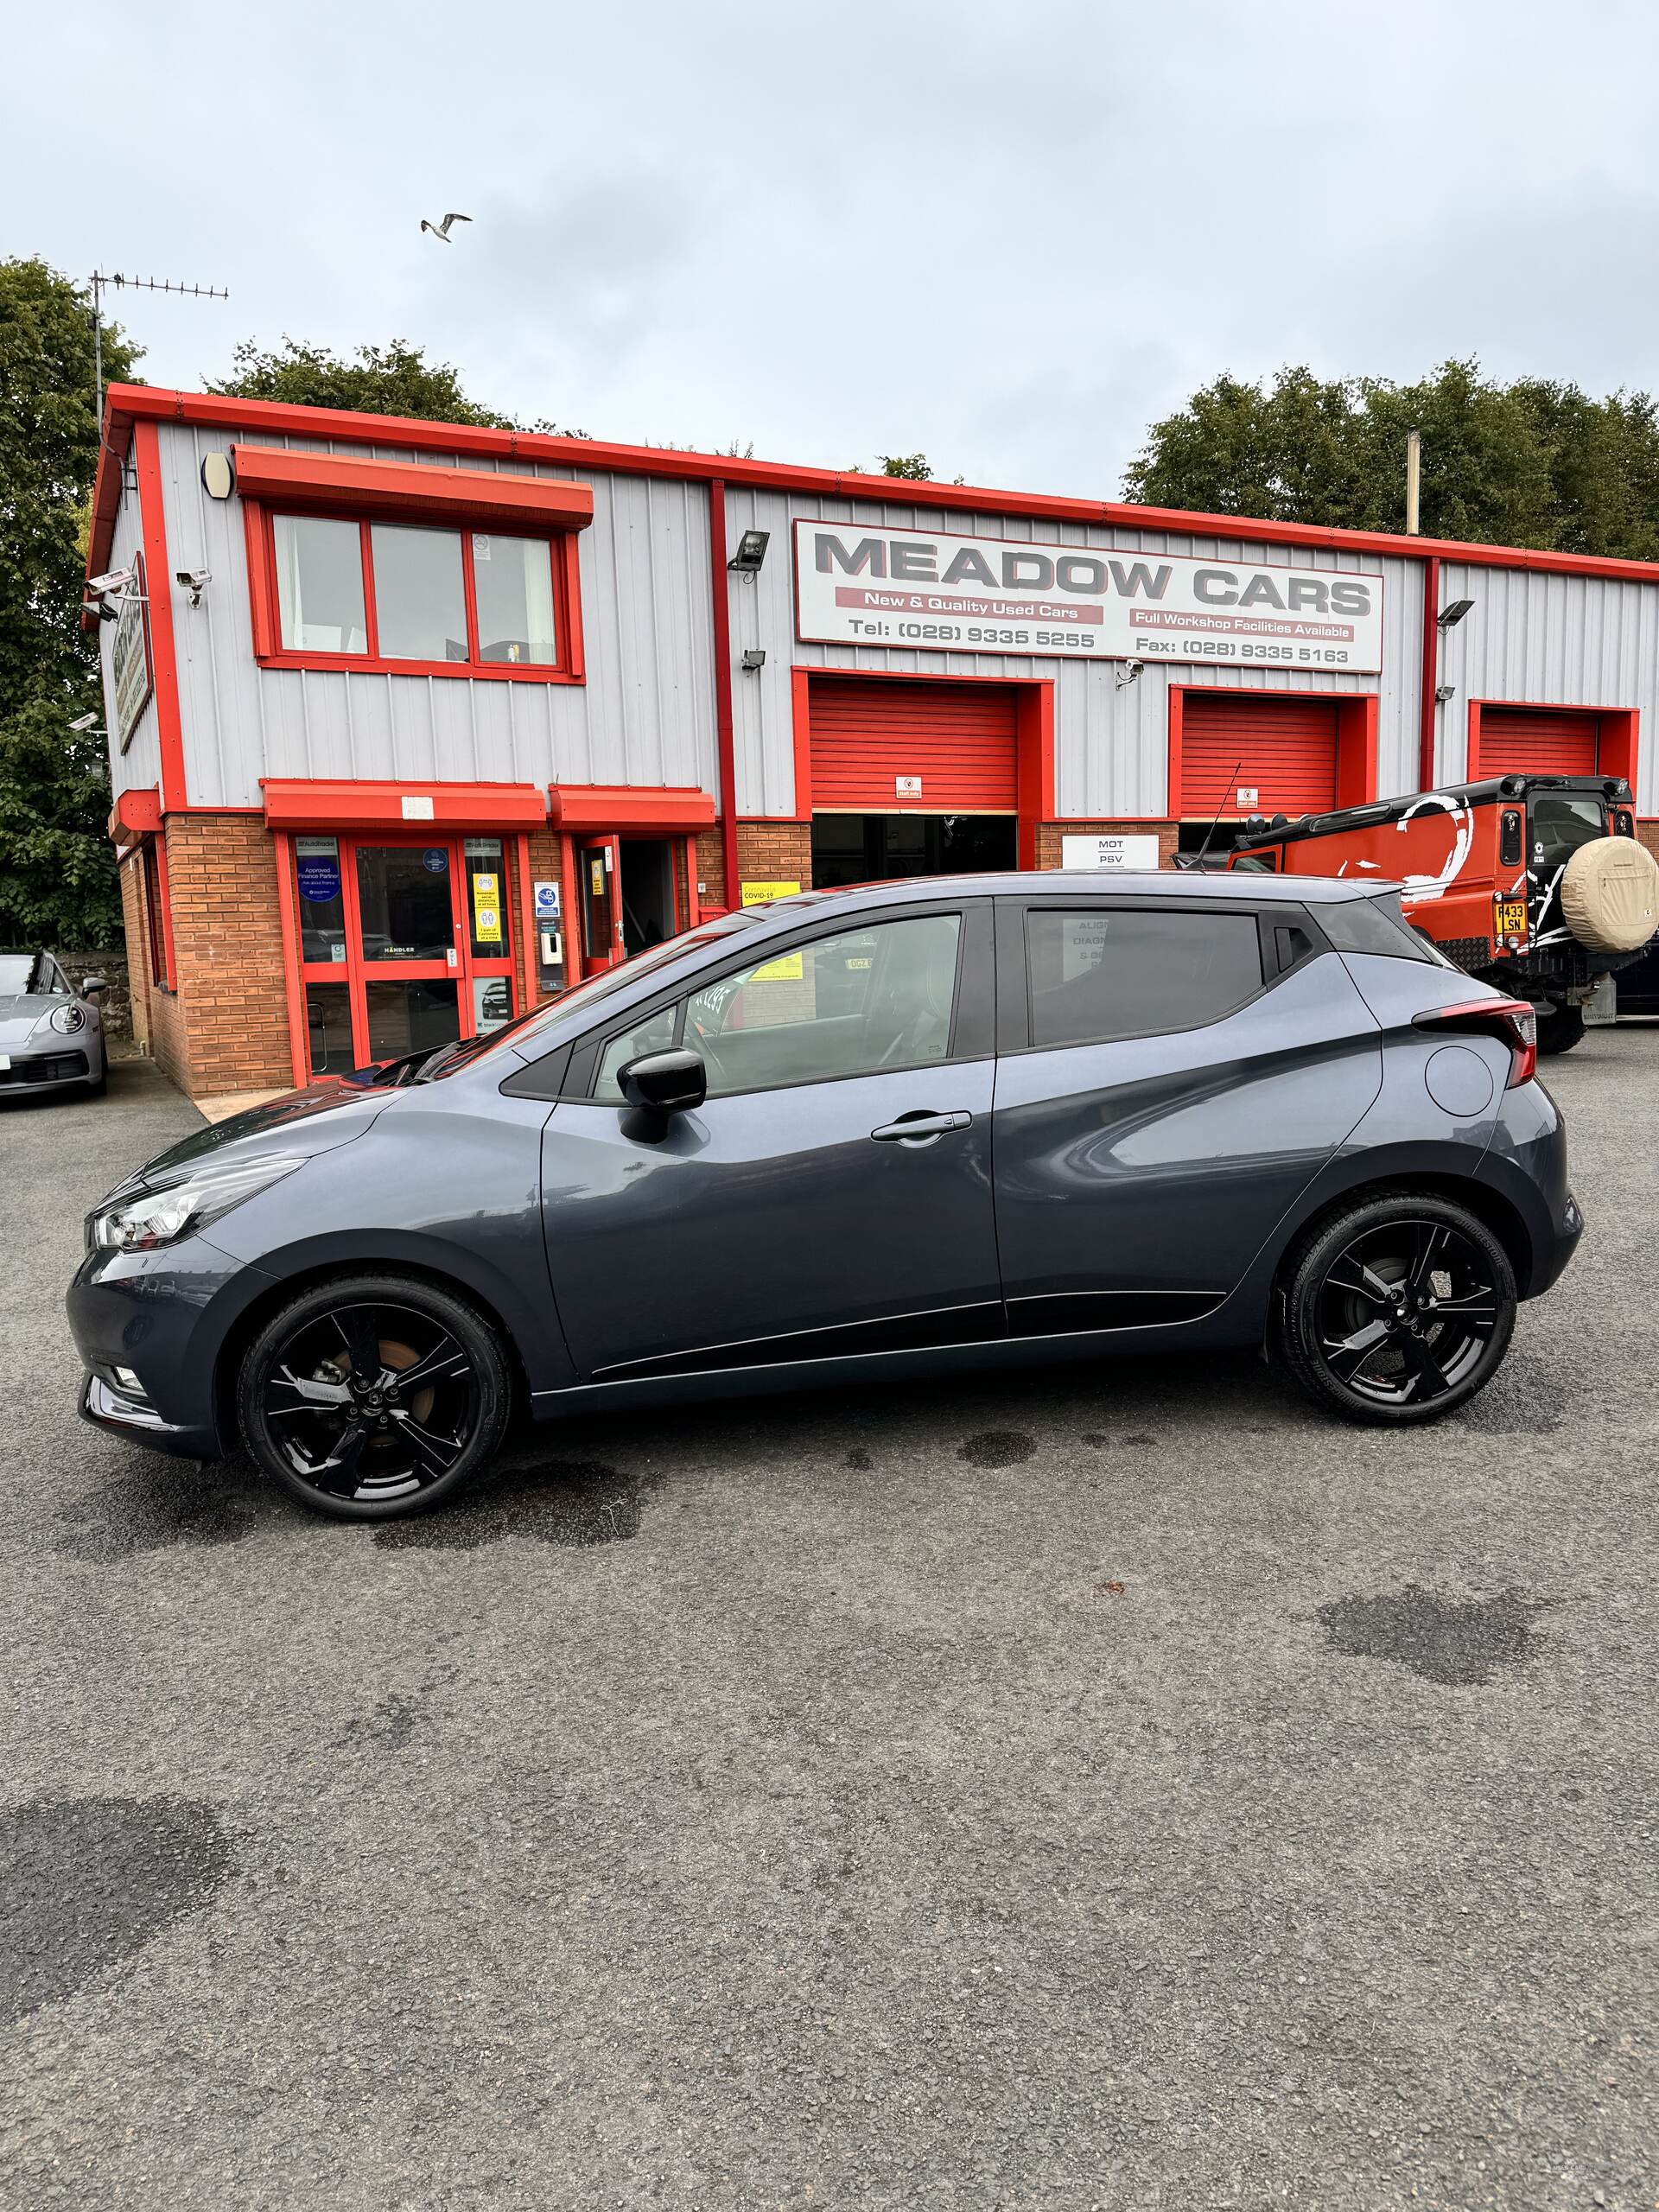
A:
(1609, 894)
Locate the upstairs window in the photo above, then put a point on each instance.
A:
(408, 595)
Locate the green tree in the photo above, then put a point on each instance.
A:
(912, 465)
(392, 379)
(1528, 463)
(57, 872)
(58, 882)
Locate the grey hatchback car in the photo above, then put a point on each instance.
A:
(937, 1125)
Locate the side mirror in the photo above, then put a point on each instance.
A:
(92, 985)
(665, 1083)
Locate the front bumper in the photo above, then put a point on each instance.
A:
(57, 1070)
(164, 1317)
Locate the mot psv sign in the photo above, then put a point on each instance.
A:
(907, 587)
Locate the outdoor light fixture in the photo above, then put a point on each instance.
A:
(754, 659)
(1445, 691)
(102, 608)
(751, 552)
(194, 580)
(1129, 670)
(1449, 615)
(218, 475)
(84, 722)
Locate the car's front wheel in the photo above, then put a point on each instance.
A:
(374, 1395)
(1398, 1310)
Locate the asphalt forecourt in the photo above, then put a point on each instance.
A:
(1106, 1787)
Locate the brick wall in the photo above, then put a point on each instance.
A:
(227, 1030)
(711, 871)
(1649, 834)
(773, 852)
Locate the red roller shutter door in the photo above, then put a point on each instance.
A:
(1287, 747)
(958, 738)
(1533, 741)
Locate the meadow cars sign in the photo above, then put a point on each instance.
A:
(918, 589)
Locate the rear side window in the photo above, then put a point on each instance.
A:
(1099, 975)
(1378, 925)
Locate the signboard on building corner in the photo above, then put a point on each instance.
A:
(131, 667)
(909, 589)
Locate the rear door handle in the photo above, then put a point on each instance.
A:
(921, 1127)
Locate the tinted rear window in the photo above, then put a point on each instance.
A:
(1097, 975)
(1378, 925)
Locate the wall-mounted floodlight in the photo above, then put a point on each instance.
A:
(1445, 691)
(751, 552)
(105, 610)
(82, 723)
(194, 580)
(754, 659)
(1454, 614)
(218, 475)
(1129, 670)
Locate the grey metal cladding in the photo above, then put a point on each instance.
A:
(1537, 638)
(644, 714)
(1111, 744)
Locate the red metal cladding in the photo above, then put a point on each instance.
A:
(1534, 741)
(959, 741)
(1288, 748)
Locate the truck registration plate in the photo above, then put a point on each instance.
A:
(1509, 918)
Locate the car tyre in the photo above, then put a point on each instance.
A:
(1560, 1027)
(370, 1396)
(1395, 1311)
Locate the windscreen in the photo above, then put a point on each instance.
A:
(16, 973)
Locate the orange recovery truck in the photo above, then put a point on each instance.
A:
(1537, 884)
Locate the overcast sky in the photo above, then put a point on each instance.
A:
(1008, 235)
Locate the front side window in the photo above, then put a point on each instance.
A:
(402, 591)
(1097, 975)
(876, 998)
(319, 585)
(654, 1035)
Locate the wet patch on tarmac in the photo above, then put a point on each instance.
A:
(574, 1503)
(1522, 1399)
(389, 1727)
(86, 1882)
(159, 1504)
(859, 1459)
(1450, 1640)
(996, 1447)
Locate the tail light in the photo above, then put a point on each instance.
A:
(1512, 1021)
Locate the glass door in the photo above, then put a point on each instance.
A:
(598, 878)
(403, 947)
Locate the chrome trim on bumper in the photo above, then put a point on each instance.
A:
(112, 1408)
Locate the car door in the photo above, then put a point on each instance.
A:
(832, 1194)
(1171, 1076)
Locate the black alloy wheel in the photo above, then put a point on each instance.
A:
(1398, 1310)
(373, 1396)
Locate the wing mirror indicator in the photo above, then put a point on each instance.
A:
(665, 1083)
(1512, 1021)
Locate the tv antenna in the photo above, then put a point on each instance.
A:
(100, 283)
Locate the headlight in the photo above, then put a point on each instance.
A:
(66, 1020)
(151, 1217)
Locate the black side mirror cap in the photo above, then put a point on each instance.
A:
(665, 1083)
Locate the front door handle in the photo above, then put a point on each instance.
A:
(921, 1127)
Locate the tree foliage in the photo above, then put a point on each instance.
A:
(1531, 463)
(57, 872)
(391, 379)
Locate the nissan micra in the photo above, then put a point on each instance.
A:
(944, 1124)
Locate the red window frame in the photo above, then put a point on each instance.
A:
(270, 653)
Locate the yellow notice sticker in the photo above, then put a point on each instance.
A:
(486, 909)
(788, 969)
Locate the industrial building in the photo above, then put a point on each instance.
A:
(412, 724)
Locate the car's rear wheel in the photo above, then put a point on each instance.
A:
(1560, 1027)
(1398, 1310)
(374, 1395)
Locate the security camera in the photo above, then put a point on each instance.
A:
(194, 580)
(116, 580)
(1129, 670)
(84, 721)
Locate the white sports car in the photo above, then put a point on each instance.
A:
(51, 1034)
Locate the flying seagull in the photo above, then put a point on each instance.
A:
(442, 230)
